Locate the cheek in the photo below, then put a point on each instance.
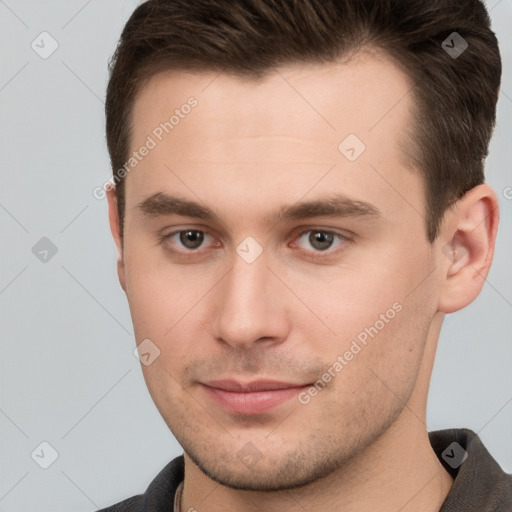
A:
(159, 294)
(169, 306)
(381, 316)
(375, 371)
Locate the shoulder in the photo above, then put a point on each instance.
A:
(480, 484)
(159, 495)
(133, 504)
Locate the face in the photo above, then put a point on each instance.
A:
(262, 244)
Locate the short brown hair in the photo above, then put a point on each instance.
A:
(455, 98)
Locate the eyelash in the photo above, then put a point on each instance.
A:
(344, 239)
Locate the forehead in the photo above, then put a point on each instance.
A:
(303, 99)
(285, 128)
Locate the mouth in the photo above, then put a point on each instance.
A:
(251, 398)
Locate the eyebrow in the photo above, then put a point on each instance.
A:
(164, 204)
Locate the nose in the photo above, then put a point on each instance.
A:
(250, 306)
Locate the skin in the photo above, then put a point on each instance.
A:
(248, 149)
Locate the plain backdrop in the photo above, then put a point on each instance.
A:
(68, 374)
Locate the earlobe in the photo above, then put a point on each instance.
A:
(115, 229)
(469, 234)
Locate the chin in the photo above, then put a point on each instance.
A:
(269, 476)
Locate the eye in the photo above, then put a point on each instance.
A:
(319, 240)
(190, 239)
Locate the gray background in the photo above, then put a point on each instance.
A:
(68, 374)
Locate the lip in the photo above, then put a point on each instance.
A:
(250, 398)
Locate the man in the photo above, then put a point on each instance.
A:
(299, 201)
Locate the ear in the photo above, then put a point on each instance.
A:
(115, 228)
(466, 244)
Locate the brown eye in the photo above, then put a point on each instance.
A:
(320, 240)
(188, 242)
(191, 239)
